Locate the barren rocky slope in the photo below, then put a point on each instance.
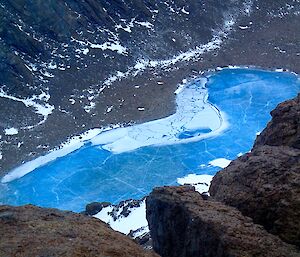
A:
(183, 224)
(32, 231)
(265, 183)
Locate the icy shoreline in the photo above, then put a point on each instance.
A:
(195, 119)
(78, 141)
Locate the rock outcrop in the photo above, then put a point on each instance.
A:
(265, 183)
(284, 128)
(183, 224)
(33, 231)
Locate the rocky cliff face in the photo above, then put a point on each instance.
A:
(284, 128)
(32, 231)
(183, 224)
(265, 183)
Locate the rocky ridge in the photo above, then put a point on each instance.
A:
(265, 183)
(183, 224)
(33, 231)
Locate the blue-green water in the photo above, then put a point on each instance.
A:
(93, 174)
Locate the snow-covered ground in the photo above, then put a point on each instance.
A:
(136, 219)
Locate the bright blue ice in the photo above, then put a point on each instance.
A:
(92, 174)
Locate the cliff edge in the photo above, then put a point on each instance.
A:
(33, 231)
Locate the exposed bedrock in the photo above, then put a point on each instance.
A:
(183, 224)
(265, 184)
(33, 231)
(284, 128)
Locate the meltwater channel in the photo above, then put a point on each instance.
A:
(218, 117)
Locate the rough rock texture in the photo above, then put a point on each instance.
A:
(284, 128)
(183, 224)
(32, 231)
(265, 184)
(95, 207)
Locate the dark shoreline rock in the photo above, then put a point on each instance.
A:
(32, 231)
(95, 207)
(183, 224)
(284, 128)
(265, 183)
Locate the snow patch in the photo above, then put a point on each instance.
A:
(34, 102)
(220, 162)
(116, 46)
(11, 131)
(66, 148)
(135, 220)
(200, 182)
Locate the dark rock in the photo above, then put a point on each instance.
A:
(265, 184)
(183, 224)
(7, 216)
(50, 232)
(95, 207)
(284, 128)
(123, 209)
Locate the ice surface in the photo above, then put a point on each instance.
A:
(200, 182)
(65, 149)
(220, 162)
(11, 131)
(194, 119)
(95, 173)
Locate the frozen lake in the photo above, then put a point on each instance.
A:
(217, 117)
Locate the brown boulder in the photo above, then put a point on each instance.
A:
(33, 231)
(284, 128)
(264, 185)
(183, 224)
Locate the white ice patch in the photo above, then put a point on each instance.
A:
(74, 144)
(220, 162)
(194, 54)
(185, 11)
(135, 220)
(44, 109)
(194, 120)
(116, 46)
(145, 24)
(200, 182)
(1, 156)
(11, 131)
